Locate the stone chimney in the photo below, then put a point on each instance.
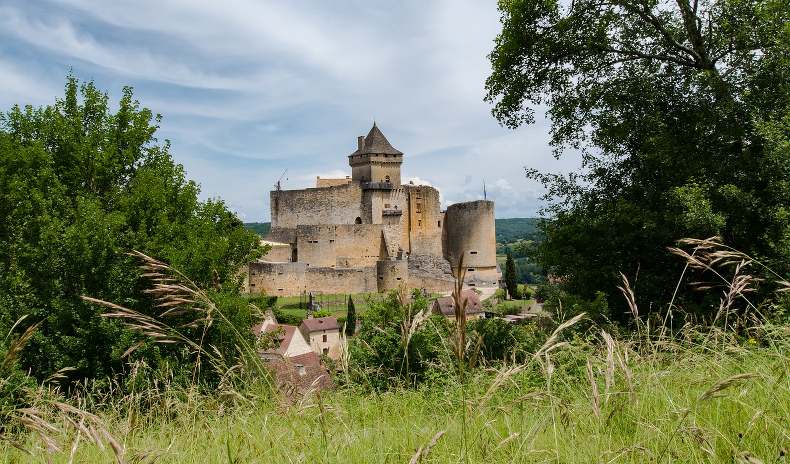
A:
(361, 142)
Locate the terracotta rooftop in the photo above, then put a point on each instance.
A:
(319, 323)
(283, 340)
(446, 304)
(299, 374)
(376, 143)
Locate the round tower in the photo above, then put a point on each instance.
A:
(470, 231)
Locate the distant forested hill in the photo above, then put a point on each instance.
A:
(514, 229)
(507, 230)
(260, 228)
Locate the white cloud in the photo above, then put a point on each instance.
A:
(249, 88)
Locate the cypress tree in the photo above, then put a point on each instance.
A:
(351, 318)
(510, 276)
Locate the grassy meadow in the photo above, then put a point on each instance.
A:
(700, 397)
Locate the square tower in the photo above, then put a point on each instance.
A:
(375, 161)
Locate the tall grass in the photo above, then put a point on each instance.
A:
(717, 393)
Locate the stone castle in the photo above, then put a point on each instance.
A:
(368, 232)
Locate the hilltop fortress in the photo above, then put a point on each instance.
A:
(368, 232)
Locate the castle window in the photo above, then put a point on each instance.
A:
(386, 179)
(439, 224)
(279, 289)
(471, 269)
(397, 278)
(358, 220)
(331, 241)
(419, 223)
(252, 285)
(324, 338)
(473, 252)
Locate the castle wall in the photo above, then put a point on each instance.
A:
(391, 274)
(470, 232)
(425, 220)
(278, 252)
(340, 204)
(284, 279)
(324, 182)
(432, 284)
(359, 244)
(315, 245)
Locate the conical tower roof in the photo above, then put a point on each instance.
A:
(376, 143)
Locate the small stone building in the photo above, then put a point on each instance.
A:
(369, 232)
(292, 361)
(322, 334)
(446, 305)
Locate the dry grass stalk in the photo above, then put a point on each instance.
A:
(182, 306)
(550, 342)
(596, 398)
(423, 451)
(630, 297)
(725, 384)
(610, 350)
(18, 344)
(460, 304)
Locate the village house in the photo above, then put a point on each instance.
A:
(446, 305)
(296, 367)
(323, 335)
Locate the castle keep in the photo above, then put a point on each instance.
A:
(368, 232)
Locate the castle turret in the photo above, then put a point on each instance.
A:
(375, 160)
(469, 231)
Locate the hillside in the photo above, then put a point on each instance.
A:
(507, 230)
(260, 228)
(514, 229)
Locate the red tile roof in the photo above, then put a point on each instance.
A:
(299, 374)
(319, 323)
(446, 304)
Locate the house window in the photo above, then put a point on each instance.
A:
(358, 220)
(325, 351)
(397, 278)
(387, 179)
(439, 224)
(252, 285)
(472, 252)
(419, 223)
(332, 241)
(323, 337)
(471, 269)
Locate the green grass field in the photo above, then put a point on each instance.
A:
(698, 399)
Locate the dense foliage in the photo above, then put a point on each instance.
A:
(681, 112)
(80, 186)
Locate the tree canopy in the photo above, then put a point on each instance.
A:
(81, 185)
(681, 112)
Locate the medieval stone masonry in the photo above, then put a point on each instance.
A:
(370, 233)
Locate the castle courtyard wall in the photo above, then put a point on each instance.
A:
(340, 204)
(285, 279)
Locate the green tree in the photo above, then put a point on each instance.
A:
(680, 113)
(80, 186)
(511, 280)
(351, 317)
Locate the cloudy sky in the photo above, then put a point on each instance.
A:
(249, 88)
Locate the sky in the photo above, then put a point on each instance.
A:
(250, 88)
